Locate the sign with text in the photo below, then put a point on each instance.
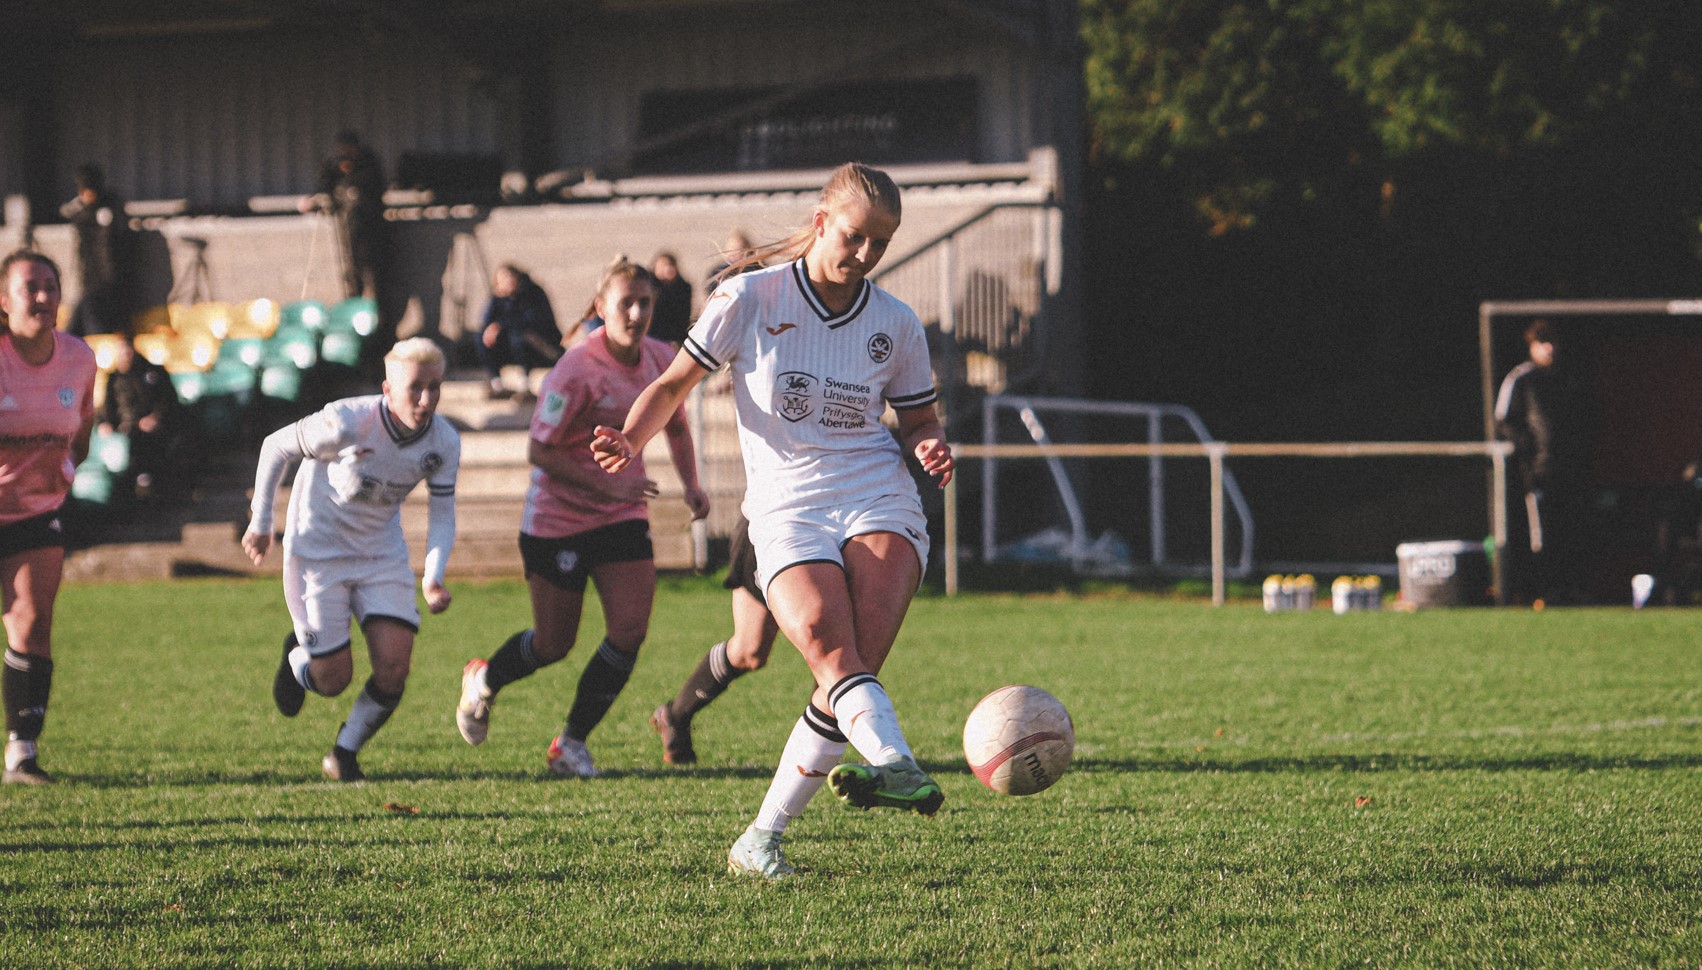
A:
(880, 122)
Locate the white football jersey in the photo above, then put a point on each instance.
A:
(361, 463)
(810, 387)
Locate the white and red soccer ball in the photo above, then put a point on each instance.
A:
(1019, 740)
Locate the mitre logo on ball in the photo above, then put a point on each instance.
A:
(1019, 740)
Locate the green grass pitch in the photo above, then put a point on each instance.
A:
(1447, 788)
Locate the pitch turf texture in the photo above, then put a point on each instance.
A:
(1466, 788)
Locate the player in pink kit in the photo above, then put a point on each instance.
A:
(47, 382)
(581, 523)
(817, 353)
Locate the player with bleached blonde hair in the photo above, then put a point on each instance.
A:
(344, 555)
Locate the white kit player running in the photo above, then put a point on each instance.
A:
(817, 353)
(344, 554)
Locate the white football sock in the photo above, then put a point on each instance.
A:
(299, 659)
(814, 747)
(18, 752)
(866, 716)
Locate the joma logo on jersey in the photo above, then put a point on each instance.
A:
(777, 331)
(795, 394)
(880, 348)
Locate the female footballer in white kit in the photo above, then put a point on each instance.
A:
(344, 554)
(817, 353)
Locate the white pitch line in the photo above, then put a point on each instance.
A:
(1507, 731)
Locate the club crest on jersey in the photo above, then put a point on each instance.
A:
(794, 395)
(67, 397)
(554, 407)
(431, 462)
(880, 348)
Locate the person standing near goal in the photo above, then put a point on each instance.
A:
(580, 524)
(817, 352)
(344, 554)
(47, 383)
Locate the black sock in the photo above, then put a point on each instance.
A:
(714, 672)
(512, 661)
(601, 683)
(25, 683)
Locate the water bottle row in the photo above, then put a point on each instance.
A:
(1348, 594)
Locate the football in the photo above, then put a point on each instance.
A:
(1019, 740)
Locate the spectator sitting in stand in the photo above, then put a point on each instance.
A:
(141, 405)
(519, 327)
(673, 300)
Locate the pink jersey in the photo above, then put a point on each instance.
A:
(41, 411)
(585, 388)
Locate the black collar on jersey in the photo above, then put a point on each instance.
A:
(801, 276)
(399, 434)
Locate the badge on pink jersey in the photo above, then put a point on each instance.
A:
(554, 406)
(67, 398)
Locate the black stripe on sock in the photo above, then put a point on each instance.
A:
(846, 683)
(823, 724)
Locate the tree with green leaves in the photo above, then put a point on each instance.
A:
(1261, 100)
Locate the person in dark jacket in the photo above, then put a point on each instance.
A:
(519, 327)
(105, 256)
(1545, 413)
(673, 300)
(351, 189)
(141, 404)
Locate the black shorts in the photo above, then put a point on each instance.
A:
(741, 567)
(569, 561)
(36, 532)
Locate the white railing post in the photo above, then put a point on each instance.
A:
(989, 479)
(1155, 487)
(951, 536)
(1219, 587)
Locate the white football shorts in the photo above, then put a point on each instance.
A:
(795, 537)
(325, 594)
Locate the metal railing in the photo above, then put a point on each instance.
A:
(981, 286)
(1028, 409)
(1216, 453)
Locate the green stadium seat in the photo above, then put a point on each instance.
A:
(110, 450)
(94, 483)
(357, 313)
(234, 378)
(307, 314)
(247, 351)
(295, 345)
(191, 386)
(281, 382)
(340, 346)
